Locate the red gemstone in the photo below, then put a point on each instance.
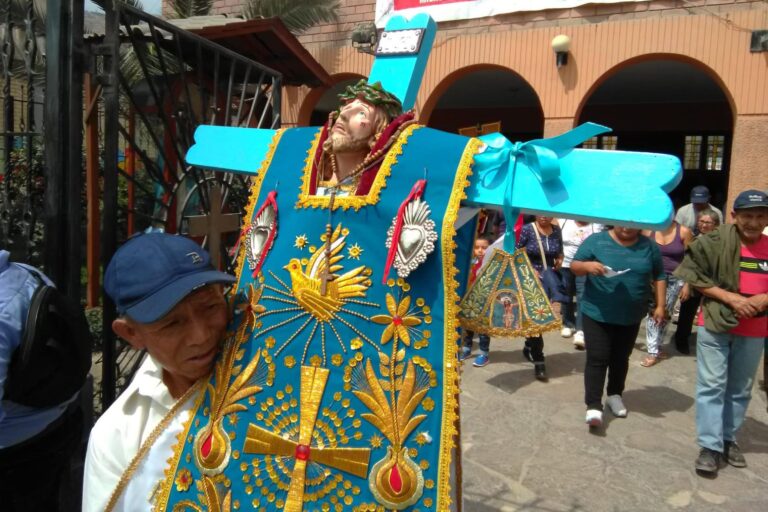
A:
(397, 320)
(302, 452)
(205, 449)
(395, 482)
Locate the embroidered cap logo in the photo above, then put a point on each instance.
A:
(196, 258)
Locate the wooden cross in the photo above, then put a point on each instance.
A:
(263, 442)
(214, 225)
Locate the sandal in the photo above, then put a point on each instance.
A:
(649, 361)
(662, 355)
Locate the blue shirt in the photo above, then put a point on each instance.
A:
(551, 244)
(17, 422)
(621, 299)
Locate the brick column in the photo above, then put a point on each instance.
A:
(749, 154)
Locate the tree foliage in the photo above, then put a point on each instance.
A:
(297, 16)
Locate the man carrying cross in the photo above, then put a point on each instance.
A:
(338, 387)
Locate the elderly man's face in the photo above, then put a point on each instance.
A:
(750, 222)
(186, 340)
(354, 127)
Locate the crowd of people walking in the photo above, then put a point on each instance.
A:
(607, 281)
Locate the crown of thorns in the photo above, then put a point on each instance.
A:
(375, 95)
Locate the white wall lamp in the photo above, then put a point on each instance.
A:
(561, 44)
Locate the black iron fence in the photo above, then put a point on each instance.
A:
(79, 173)
(22, 69)
(154, 84)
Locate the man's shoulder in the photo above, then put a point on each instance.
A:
(126, 404)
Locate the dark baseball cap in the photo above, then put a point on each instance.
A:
(751, 199)
(700, 194)
(153, 272)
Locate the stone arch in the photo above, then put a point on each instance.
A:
(667, 103)
(319, 94)
(503, 95)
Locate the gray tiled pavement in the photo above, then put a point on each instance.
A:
(526, 447)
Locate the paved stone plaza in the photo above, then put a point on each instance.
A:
(526, 447)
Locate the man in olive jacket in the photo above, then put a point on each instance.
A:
(730, 268)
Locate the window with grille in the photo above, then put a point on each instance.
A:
(607, 142)
(704, 152)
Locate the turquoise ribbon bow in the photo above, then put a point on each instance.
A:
(542, 156)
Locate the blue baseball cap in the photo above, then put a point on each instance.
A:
(153, 272)
(751, 199)
(700, 194)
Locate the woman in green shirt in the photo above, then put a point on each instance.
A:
(620, 265)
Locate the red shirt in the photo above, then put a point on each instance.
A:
(753, 280)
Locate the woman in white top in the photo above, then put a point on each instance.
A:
(574, 233)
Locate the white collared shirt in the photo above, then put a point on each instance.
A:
(120, 432)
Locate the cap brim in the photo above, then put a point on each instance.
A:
(700, 200)
(157, 305)
(748, 206)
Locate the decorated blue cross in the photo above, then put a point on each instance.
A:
(337, 388)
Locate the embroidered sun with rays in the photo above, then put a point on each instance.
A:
(321, 298)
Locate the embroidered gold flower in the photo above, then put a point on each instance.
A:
(289, 361)
(316, 360)
(423, 438)
(336, 359)
(301, 241)
(355, 251)
(269, 342)
(232, 419)
(397, 321)
(356, 344)
(183, 480)
(428, 404)
(376, 440)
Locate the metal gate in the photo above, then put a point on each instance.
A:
(80, 174)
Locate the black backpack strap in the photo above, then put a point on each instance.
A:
(54, 356)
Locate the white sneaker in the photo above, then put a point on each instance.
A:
(616, 405)
(594, 418)
(566, 332)
(578, 340)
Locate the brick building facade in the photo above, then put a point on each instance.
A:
(718, 127)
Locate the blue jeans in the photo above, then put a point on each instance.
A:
(574, 286)
(485, 341)
(725, 369)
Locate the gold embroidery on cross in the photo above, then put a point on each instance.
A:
(263, 442)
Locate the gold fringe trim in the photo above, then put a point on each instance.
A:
(379, 183)
(256, 183)
(173, 460)
(525, 332)
(150, 441)
(451, 335)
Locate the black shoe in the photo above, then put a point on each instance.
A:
(708, 462)
(527, 354)
(540, 371)
(733, 455)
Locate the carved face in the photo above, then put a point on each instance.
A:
(354, 127)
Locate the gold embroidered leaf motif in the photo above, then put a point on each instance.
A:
(407, 401)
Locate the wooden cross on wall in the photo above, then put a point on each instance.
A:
(214, 225)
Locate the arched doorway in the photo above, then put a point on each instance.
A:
(484, 95)
(323, 100)
(665, 104)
